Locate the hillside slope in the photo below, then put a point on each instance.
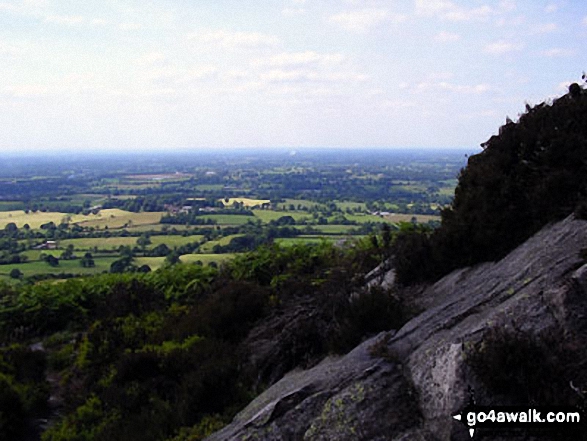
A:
(405, 385)
(534, 171)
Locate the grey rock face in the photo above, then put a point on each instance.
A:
(406, 385)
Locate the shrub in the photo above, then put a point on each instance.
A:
(526, 369)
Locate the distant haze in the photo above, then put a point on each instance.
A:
(278, 74)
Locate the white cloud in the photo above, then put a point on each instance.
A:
(460, 14)
(427, 86)
(9, 49)
(25, 7)
(546, 28)
(558, 52)
(299, 59)
(584, 21)
(67, 20)
(451, 11)
(151, 58)
(446, 37)
(362, 20)
(290, 12)
(25, 91)
(129, 26)
(305, 75)
(229, 39)
(201, 73)
(550, 8)
(397, 104)
(507, 5)
(502, 47)
(8, 7)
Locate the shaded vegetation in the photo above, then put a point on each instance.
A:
(532, 173)
(161, 355)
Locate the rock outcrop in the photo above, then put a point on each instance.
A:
(405, 385)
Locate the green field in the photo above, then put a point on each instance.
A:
(420, 218)
(351, 205)
(102, 243)
(290, 241)
(362, 218)
(209, 187)
(157, 262)
(297, 202)
(113, 243)
(36, 254)
(206, 258)
(332, 229)
(11, 205)
(174, 241)
(267, 216)
(207, 246)
(65, 266)
(229, 219)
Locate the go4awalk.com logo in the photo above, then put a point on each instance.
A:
(560, 418)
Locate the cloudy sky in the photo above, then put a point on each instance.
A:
(179, 74)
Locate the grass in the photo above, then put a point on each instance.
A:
(351, 205)
(267, 216)
(290, 241)
(103, 243)
(157, 262)
(363, 218)
(110, 243)
(229, 219)
(153, 262)
(206, 258)
(206, 247)
(209, 187)
(298, 202)
(174, 241)
(332, 229)
(65, 266)
(11, 205)
(36, 254)
(420, 218)
(156, 227)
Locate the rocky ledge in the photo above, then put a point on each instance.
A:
(406, 384)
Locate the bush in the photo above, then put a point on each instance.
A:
(526, 369)
(532, 173)
(12, 415)
(15, 273)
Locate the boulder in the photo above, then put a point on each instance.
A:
(406, 385)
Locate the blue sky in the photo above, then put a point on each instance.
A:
(153, 75)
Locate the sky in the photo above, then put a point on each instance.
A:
(139, 75)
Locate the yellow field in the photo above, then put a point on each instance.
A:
(245, 201)
(205, 258)
(116, 218)
(157, 262)
(111, 217)
(35, 220)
